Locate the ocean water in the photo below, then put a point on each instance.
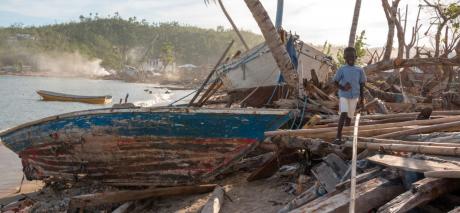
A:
(19, 103)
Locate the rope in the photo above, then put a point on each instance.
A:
(303, 112)
(180, 99)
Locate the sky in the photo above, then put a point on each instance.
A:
(316, 21)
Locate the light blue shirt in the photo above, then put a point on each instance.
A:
(353, 75)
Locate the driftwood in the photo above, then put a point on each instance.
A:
(411, 164)
(96, 199)
(421, 192)
(422, 149)
(308, 132)
(369, 195)
(215, 202)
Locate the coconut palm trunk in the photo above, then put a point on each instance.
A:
(274, 42)
(354, 24)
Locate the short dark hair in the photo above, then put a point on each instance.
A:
(349, 50)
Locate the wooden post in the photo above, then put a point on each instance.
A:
(211, 73)
(353, 165)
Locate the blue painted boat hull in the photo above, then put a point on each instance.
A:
(151, 146)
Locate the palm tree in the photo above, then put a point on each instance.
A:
(273, 41)
(354, 24)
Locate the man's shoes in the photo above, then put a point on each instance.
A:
(337, 141)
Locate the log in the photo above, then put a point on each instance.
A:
(420, 130)
(364, 133)
(215, 202)
(307, 132)
(369, 195)
(390, 141)
(422, 149)
(443, 174)
(421, 192)
(411, 164)
(96, 199)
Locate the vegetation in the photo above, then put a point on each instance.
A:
(360, 46)
(117, 41)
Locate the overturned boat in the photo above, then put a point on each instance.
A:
(55, 96)
(140, 146)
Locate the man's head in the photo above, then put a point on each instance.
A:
(349, 54)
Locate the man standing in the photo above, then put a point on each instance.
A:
(350, 80)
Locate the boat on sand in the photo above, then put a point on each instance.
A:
(140, 146)
(55, 96)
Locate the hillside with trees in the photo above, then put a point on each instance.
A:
(117, 42)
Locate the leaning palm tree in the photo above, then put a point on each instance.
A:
(273, 41)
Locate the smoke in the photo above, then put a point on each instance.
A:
(69, 65)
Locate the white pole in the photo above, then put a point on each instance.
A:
(353, 165)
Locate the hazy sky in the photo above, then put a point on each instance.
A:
(314, 20)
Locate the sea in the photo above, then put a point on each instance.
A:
(19, 103)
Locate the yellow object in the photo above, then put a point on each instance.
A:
(54, 96)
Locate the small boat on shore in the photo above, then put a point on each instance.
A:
(54, 96)
(140, 146)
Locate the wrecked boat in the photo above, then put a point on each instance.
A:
(140, 146)
(55, 96)
(255, 72)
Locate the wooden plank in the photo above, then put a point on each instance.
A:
(420, 130)
(215, 202)
(96, 199)
(421, 192)
(307, 132)
(422, 149)
(300, 200)
(410, 164)
(443, 174)
(390, 141)
(369, 195)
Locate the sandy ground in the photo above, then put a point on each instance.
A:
(13, 194)
(263, 196)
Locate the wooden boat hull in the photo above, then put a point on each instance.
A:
(54, 96)
(140, 146)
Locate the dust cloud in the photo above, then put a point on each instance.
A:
(69, 65)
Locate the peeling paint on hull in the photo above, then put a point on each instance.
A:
(156, 146)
